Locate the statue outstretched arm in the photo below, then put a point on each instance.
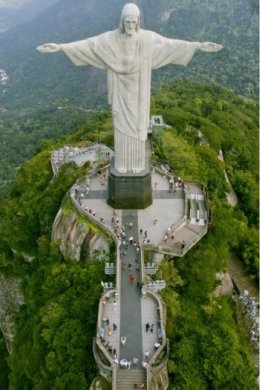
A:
(210, 47)
(49, 48)
(174, 51)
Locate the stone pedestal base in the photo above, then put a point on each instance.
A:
(128, 190)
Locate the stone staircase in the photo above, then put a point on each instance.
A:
(125, 379)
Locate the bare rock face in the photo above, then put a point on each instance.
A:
(78, 238)
(225, 287)
(10, 301)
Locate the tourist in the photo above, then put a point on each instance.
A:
(123, 340)
(123, 363)
(115, 354)
(132, 278)
(146, 354)
(147, 326)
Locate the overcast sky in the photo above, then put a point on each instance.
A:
(13, 3)
(18, 3)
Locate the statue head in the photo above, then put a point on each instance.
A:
(130, 14)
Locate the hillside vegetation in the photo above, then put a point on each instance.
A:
(56, 324)
(202, 328)
(22, 132)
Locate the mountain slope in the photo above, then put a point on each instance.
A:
(54, 328)
(15, 13)
(36, 78)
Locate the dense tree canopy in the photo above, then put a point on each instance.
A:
(56, 324)
(205, 119)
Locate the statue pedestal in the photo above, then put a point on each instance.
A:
(129, 190)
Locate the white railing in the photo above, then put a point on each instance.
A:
(110, 268)
(150, 268)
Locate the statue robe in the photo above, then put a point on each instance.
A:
(129, 83)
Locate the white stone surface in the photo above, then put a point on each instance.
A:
(129, 54)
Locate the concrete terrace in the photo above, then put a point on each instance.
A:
(168, 208)
(168, 227)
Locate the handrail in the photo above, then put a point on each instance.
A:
(113, 366)
(109, 232)
(142, 265)
(162, 314)
(157, 368)
(114, 375)
(97, 343)
(148, 376)
(118, 268)
(99, 325)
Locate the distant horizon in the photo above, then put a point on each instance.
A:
(18, 4)
(14, 3)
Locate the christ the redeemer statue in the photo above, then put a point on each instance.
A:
(129, 54)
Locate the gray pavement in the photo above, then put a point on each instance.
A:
(167, 206)
(130, 309)
(133, 310)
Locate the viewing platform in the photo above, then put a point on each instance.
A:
(131, 308)
(175, 221)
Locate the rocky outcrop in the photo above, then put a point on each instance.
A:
(77, 237)
(10, 301)
(225, 288)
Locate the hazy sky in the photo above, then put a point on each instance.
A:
(13, 3)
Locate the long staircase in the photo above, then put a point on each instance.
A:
(126, 379)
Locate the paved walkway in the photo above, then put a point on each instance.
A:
(167, 207)
(132, 311)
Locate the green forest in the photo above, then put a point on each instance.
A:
(56, 324)
(22, 131)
